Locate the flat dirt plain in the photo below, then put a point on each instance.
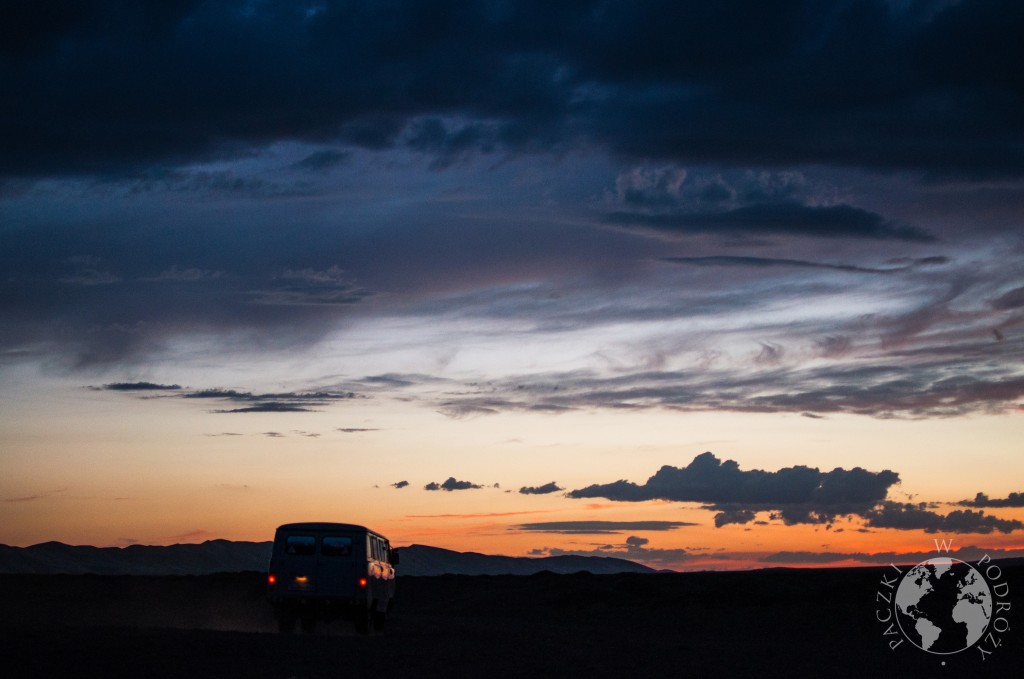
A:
(768, 623)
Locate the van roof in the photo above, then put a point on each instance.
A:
(322, 525)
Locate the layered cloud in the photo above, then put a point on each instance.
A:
(917, 388)
(248, 402)
(140, 386)
(159, 205)
(599, 527)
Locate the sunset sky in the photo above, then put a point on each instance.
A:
(698, 284)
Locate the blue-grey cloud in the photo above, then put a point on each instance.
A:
(254, 279)
(267, 407)
(778, 218)
(400, 484)
(920, 387)
(322, 160)
(1012, 299)
(287, 396)
(767, 262)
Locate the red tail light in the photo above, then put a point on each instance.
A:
(271, 580)
(362, 582)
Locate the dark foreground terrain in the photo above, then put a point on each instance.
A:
(772, 623)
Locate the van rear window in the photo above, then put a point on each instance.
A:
(334, 545)
(300, 545)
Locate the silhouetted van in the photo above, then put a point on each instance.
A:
(323, 571)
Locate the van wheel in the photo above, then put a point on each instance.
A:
(364, 621)
(285, 622)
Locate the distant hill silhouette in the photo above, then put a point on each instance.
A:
(212, 556)
(424, 560)
(225, 556)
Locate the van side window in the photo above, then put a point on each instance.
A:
(300, 545)
(336, 546)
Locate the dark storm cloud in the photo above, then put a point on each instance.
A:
(599, 527)
(541, 490)
(919, 517)
(451, 484)
(982, 500)
(210, 78)
(106, 86)
(400, 484)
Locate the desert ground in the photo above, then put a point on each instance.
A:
(769, 623)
